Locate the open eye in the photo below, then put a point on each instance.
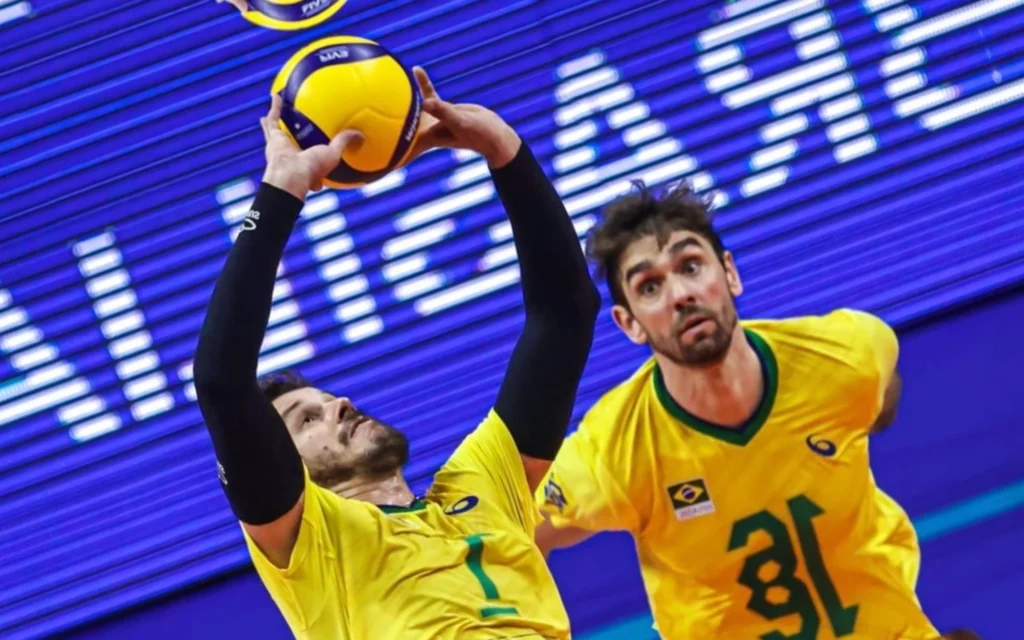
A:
(648, 287)
(691, 267)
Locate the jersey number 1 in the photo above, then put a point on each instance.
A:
(475, 563)
(783, 593)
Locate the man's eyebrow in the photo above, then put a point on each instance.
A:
(643, 265)
(684, 243)
(289, 408)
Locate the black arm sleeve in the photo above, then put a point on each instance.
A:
(561, 302)
(260, 468)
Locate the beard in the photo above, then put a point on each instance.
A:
(386, 454)
(710, 347)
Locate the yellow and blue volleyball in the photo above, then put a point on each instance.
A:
(291, 15)
(344, 82)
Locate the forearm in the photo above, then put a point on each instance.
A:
(550, 538)
(552, 266)
(262, 471)
(561, 302)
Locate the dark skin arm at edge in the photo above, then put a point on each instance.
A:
(890, 404)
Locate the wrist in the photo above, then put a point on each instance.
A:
(503, 148)
(286, 181)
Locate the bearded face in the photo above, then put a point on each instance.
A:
(681, 298)
(338, 442)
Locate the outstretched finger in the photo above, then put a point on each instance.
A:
(427, 89)
(274, 114)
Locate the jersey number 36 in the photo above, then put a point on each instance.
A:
(785, 594)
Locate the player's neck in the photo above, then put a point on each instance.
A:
(726, 393)
(390, 490)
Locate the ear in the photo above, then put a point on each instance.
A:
(732, 275)
(625, 321)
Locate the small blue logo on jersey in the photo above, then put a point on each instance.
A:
(462, 506)
(822, 447)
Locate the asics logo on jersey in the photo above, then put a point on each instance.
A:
(821, 446)
(462, 506)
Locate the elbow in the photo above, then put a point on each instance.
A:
(206, 375)
(883, 421)
(546, 537)
(207, 384)
(212, 377)
(213, 393)
(890, 404)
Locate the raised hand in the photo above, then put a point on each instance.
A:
(299, 171)
(462, 126)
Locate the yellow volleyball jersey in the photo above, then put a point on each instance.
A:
(459, 563)
(773, 530)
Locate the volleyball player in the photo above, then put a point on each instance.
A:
(737, 455)
(343, 546)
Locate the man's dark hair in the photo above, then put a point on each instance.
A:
(643, 212)
(276, 384)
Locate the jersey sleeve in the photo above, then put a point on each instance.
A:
(487, 464)
(875, 350)
(580, 490)
(313, 576)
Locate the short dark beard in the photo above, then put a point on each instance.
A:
(388, 455)
(708, 351)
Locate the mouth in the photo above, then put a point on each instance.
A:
(357, 423)
(349, 421)
(692, 323)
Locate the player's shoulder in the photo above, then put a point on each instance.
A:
(840, 333)
(611, 427)
(607, 414)
(838, 323)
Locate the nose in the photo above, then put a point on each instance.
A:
(681, 293)
(336, 408)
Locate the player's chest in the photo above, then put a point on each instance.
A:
(449, 537)
(449, 569)
(712, 496)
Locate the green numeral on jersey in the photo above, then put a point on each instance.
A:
(475, 563)
(782, 594)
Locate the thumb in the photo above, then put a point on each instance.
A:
(326, 158)
(347, 139)
(443, 111)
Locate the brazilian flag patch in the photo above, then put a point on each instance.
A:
(691, 499)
